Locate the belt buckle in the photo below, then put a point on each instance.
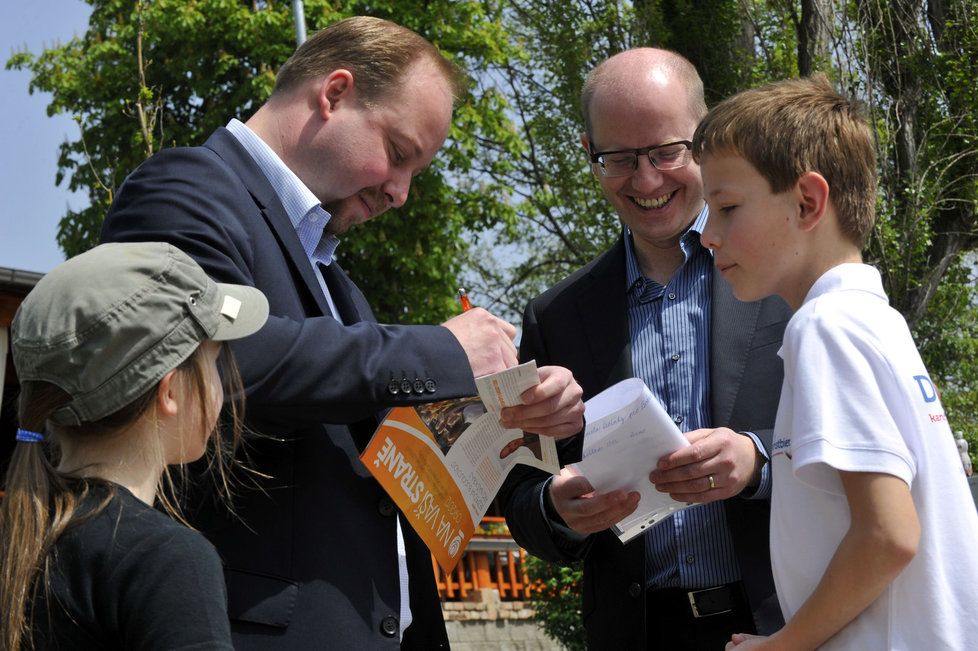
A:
(694, 595)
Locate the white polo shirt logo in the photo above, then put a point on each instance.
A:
(929, 392)
(927, 388)
(781, 445)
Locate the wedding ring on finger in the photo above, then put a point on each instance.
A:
(713, 483)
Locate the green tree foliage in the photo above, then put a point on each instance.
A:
(917, 76)
(162, 73)
(563, 221)
(556, 601)
(100, 79)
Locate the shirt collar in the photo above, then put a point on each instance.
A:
(852, 276)
(689, 243)
(305, 212)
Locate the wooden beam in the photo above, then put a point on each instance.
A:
(8, 306)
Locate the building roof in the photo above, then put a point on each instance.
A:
(17, 281)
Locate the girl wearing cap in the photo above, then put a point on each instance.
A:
(116, 351)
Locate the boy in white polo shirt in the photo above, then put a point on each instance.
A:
(873, 528)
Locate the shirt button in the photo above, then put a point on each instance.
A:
(385, 507)
(675, 357)
(634, 590)
(689, 559)
(678, 419)
(672, 296)
(388, 626)
(313, 218)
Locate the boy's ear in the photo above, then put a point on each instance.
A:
(586, 143)
(167, 395)
(337, 86)
(813, 199)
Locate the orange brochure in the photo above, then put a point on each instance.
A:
(443, 462)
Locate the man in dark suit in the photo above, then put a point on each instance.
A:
(318, 556)
(651, 307)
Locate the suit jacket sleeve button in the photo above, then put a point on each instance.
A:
(634, 590)
(386, 507)
(406, 385)
(430, 386)
(418, 386)
(388, 626)
(393, 387)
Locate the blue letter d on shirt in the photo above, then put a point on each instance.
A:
(926, 388)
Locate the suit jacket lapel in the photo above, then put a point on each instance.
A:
(230, 150)
(604, 318)
(732, 324)
(603, 313)
(349, 301)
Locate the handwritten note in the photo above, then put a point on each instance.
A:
(627, 432)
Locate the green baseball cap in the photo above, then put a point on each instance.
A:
(107, 325)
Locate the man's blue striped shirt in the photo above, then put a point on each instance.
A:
(669, 328)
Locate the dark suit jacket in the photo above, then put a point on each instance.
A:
(582, 323)
(311, 560)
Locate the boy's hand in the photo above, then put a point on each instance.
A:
(744, 641)
(583, 510)
(718, 464)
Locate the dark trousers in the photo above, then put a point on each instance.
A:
(671, 621)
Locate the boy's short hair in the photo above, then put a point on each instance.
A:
(377, 52)
(787, 128)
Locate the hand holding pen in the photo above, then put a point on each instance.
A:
(552, 408)
(487, 340)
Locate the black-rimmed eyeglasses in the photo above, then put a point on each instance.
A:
(622, 162)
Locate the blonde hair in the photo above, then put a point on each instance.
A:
(41, 502)
(787, 128)
(377, 52)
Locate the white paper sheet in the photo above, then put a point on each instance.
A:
(627, 432)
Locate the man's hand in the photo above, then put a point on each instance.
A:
(551, 408)
(487, 340)
(718, 464)
(582, 509)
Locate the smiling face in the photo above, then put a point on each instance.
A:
(359, 160)
(646, 107)
(752, 231)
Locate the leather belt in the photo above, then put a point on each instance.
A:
(697, 604)
(712, 601)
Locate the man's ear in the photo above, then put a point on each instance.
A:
(335, 88)
(813, 199)
(168, 395)
(586, 143)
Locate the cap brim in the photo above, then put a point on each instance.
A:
(245, 310)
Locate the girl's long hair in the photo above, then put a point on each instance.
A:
(42, 503)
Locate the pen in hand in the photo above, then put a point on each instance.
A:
(463, 299)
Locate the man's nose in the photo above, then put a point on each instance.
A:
(397, 188)
(646, 175)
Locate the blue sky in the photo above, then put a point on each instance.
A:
(32, 204)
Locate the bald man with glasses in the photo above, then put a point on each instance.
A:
(652, 307)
